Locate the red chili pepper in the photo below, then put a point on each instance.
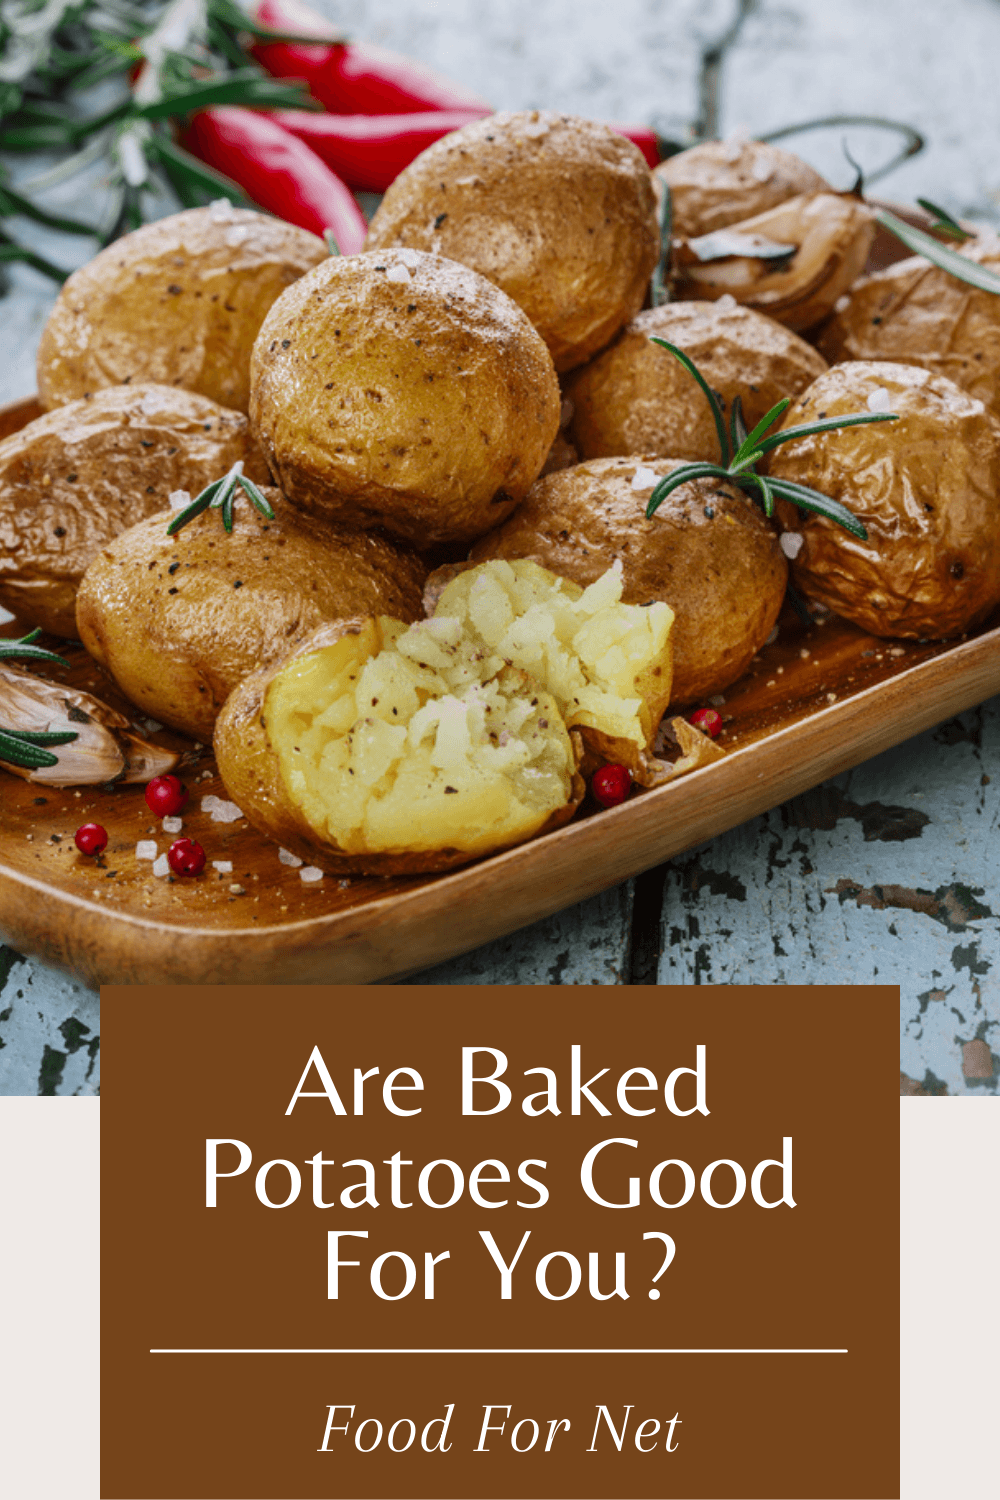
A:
(642, 136)
(353, 78)
(370, 151)
(278, 171)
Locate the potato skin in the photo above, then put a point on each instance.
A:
(400, 390)
(723, 574)
(913, 313)
(637, 398)
(75, 478)
(177, 302)
(721, 182)
(251, 772)
(925, 487)
(180, 621)
(556, 210)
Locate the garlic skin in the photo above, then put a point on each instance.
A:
(105, 750)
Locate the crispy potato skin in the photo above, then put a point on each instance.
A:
(250, 771)
(404, 391)
(721, 182)
(75, 478)
(913, 313)
(723, 574)
(637, 398)
(924, 487)
(557, 211)
(177, 302)
(180, 621)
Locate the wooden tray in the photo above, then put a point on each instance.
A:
(815, 702)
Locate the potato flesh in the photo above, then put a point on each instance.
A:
(590, 650)
(385, 754)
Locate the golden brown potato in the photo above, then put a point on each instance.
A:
(916, 314)
(637, 398)
(177, 302)
(721, 182)
(404, 391)
(708, 552)
(925, 487)
(396, 750)
(78, 476)
(179, 621)
(555, 210)
(832, 233)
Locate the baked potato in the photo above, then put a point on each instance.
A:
(557, 211)
(177, 302)
(829, 236)
(75, 478)
(708, 552)
(637, 398)
(914, 313)
(400, 390)
(395, 750)
(721, 182)
(179, 621)
(925, 488)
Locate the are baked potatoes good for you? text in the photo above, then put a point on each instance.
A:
(177, 302)
(925, 488)
(400, 390)
(395, 750)
(718, 183)
(75, 478)
(556, 210)
(708, 552)
(916, 313)
(636, 398)
(178, 621)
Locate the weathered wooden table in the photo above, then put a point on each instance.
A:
(886, 874)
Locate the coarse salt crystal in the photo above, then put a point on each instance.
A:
(397, 273)
(717, 701)
(178, 499)
(151, 725)
(536, 129)
(310, 874)
(761, 170)
(409, 258)
(842, 304)
(879, 399)
(173, 825)
(219, 810)
(221, 211)
(237, 235)
(644, 479)
(224, 866)
(145, 849)
(734, 143)
(161, 866)
(791, 543)
(727, 302)
(288, 858)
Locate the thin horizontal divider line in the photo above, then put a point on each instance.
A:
(498, 1351)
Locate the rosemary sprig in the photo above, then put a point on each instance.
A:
(943, 221)
(221, 495)
(959, 266)
(22, 747)
(740, 451)
(659, 286)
